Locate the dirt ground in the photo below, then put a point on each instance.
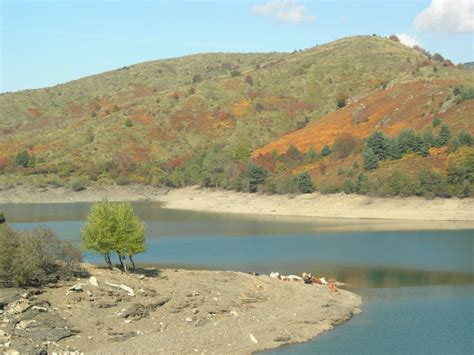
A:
(169, 311)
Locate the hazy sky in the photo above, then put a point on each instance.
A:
(44, 43)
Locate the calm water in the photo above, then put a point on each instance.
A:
(418, 286)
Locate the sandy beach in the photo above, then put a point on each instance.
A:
(324, 206)
(169, 311)
(437, 213)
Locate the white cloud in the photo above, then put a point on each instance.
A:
(284, 10)
(408, 40)
(449, 16)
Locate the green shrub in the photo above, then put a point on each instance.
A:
(128, 123)
(436, 122)
(78, 183)
(35, 257)
(325, 151)
(256, 177)
(23, 159)
(2, 218)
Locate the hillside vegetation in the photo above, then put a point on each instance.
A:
(224, 120)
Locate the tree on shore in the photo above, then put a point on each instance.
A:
(114, 227)
(2, 218)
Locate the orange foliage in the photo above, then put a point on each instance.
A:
(240, 109)
(142, 116)
(35, 112)
(73, 109)
(390, 111)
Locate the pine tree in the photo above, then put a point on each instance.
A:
(444, 135)
(362, 185)
(325, 151)
(371, 161)
(378, 142)
(394, 151)
(465, 138)
(305, 183)
(256, 176)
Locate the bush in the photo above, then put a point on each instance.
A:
(78, 183)
(2, 218)
(325, 151)
(344, 145)
(341, 100)
(394, 38)
(35, 257)
(436, 122)
(24, 160)
(114, 227)
(128, 123)
(465, 138)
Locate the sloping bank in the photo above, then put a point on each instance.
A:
(318, 205)
(171, 311)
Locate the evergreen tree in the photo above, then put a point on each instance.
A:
(325, 151)
(24, 160)
(311, 155)
(465, 138)
(393, 149)
(371, 161)
(362, 185)
(378, 142)
(349, 186)
(408, 141)
(305, 183)
(444, 135)
(429, 139)
(256, 176)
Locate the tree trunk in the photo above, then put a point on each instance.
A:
(133, 262)
(125, 266)
(121, 262)
(107, 260)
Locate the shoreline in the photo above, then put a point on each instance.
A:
(171, 311)
(454, 213)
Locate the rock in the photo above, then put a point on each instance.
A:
(141, 277)
(20, 306)
(24, 324)
(93, 281)
(153, 306)
(136, 312)
(253, 339)
(121, 336)
(107, 304)
(275, 275)
(126, 288)
(282, 339)
(90, 295)
(75, 288)
(195, 310)
(39, 309)
(189, 319)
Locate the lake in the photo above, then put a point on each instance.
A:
(417, 285)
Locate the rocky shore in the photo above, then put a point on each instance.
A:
(172, 311)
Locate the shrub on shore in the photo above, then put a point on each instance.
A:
(35, 257)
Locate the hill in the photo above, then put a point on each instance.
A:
(196, 119)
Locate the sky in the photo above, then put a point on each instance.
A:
(47, 42)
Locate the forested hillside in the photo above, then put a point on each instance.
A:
(276, 122)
